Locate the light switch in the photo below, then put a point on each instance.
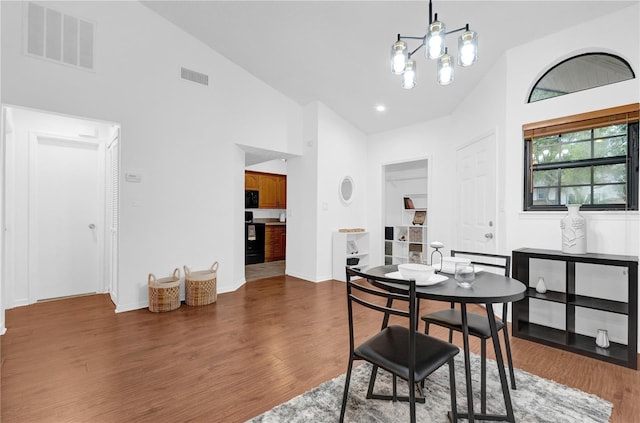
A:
(133, 177)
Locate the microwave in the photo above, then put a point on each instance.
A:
(251, 199)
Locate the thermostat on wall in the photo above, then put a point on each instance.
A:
(133, 177)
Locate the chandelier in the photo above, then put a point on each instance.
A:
(402, 62)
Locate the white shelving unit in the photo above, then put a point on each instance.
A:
(349, 245)
(407, 242)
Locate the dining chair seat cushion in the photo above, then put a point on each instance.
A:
(388, 349)
(452, 319)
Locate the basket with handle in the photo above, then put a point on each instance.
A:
(164, 293)
(200, 286)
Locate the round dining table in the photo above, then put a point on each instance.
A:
(488, 289)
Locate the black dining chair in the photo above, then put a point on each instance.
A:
(478, 324)
(399, 349)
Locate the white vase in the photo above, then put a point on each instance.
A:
(602, 339)
(574, 231)
(541, 287)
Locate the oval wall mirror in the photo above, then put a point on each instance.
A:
(346, 189)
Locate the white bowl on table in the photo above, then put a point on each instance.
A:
(416, 271)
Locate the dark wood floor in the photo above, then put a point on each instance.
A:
(75, 360)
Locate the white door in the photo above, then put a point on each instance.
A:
(476, 199)
(64, 217)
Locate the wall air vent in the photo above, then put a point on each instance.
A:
(194, 76)
(58, 37)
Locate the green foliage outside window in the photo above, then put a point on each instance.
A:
(588, 167)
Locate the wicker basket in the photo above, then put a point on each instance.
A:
(200, 286)
(164, 293)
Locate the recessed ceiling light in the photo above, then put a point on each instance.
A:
(381, 108)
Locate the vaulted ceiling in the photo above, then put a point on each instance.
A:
(337, 52)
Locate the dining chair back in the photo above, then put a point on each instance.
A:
(478, 324)
(397, 348)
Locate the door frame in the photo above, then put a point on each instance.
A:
(35, 138)
(8, 248)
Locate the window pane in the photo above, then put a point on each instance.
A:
(575, 195)
(545, 197)
(610, 194)
(576, 176)
(610, 147)
(546, 153)
(609, 174)
(576, 151)
(579, 73)
(609, 131)
(546, 178)
(576, 136)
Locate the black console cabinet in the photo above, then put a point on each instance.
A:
(624, 355)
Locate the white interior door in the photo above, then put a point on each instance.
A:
(476, 197)
(65, 221)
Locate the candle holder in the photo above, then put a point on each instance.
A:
(436, 245)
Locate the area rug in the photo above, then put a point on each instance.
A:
(536, 399)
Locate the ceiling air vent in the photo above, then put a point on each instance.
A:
(194, 76)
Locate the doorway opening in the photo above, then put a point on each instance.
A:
(60, 206)
(265, 213)
(406, 195)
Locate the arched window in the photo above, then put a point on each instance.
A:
(579, 73)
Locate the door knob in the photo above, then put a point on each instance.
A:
(488, 235)
(92, 226)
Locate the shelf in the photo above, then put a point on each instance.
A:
(599, 304)
(577, 343)
(343, 243)
(556, 297)
(544, 334)
(525, 309)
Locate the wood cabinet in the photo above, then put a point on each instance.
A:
(268, 191)
(272, 187)
(281, 192)
(275, 240)
(591, 291)
(251, 181)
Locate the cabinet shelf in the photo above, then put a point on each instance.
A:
(343, 245)
(617, 307)
(574, 305)
(574, 342)
(556, 297)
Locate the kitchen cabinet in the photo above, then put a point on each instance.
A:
(272, 188)
(275, 242)
(268, 191)
(281, 192)
(588, 289)
(251, 181)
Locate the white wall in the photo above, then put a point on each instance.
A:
(272, 166)
(609, 232)
(430, 141)
(333, 149)
(341, 152)
(179, 135)
(302, 202)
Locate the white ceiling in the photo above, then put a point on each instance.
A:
(337, 52)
